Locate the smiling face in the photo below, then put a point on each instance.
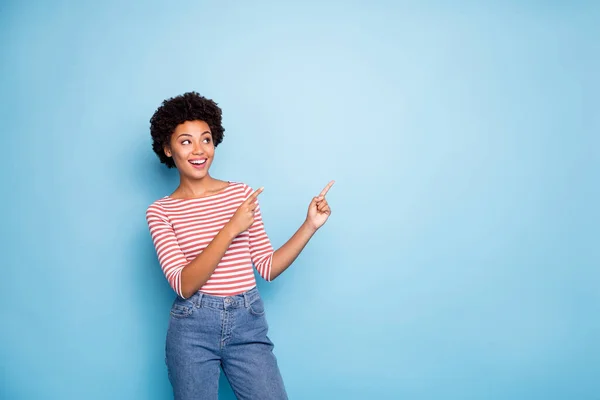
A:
(192, 149)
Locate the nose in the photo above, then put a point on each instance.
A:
(197, 149)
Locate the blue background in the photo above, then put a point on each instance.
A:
(461, 260)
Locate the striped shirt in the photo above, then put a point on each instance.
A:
(182, 228)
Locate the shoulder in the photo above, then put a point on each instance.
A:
(156, 208)
(240, 187)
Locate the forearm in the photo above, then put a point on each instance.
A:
(198, 271)
(286, 254)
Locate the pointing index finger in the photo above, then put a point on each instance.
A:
(255, 194)
(324, 191)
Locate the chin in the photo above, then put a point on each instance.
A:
(198, 175)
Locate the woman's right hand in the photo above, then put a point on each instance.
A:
(244, 215)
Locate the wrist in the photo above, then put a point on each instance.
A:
(308, 227)
(229, 232)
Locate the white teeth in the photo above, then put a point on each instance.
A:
(198, 162)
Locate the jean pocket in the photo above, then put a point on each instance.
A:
(257, 307)
(181, 310)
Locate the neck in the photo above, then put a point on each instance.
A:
(195, 187)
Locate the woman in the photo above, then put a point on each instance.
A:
(208, 234)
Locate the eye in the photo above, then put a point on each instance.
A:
(206, 140)
(186, 141)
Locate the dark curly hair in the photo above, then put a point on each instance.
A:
(189, 106)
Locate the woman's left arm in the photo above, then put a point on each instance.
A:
(318, 213)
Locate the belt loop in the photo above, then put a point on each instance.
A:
(199, 300)
(246, 300)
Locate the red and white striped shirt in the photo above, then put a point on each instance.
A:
(182, 228)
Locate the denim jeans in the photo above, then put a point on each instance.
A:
(207, 333)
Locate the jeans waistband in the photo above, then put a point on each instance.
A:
(224, 302)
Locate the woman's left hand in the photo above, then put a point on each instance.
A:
(318, 210)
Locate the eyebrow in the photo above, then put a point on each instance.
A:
(188, 134)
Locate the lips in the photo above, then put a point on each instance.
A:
(198, 163)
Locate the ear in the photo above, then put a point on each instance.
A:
(167, 150)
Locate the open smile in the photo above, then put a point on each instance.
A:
(198, 163)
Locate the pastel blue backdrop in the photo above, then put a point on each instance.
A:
(462, 257)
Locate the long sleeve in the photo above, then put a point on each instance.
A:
(171, 258)
(261, 250)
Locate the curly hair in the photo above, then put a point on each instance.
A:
(189, 106)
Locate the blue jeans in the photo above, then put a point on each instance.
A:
(207, 333)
